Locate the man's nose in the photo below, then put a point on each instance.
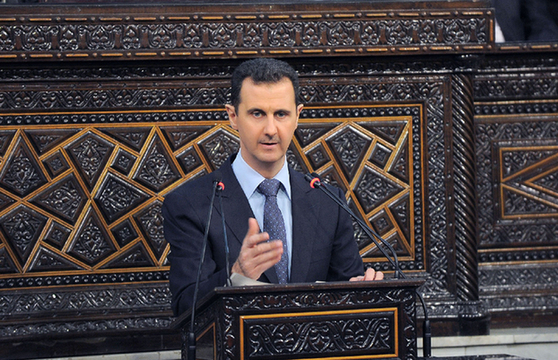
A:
(270, 126)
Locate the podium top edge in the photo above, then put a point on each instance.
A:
(317, 286)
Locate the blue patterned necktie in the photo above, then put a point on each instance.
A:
(274, 224)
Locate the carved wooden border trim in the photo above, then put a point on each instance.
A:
(85, 310)
(184, 32)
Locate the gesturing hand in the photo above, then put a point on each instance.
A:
(257, 254)
(369, 275)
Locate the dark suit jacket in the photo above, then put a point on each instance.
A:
(323, 245)
(522, 20)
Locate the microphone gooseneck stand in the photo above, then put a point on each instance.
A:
(315, 182)
(221, 187)
(191, 333)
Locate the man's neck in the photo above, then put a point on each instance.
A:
(249, 179)
(266, 172)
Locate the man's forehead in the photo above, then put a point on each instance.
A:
(255, 88)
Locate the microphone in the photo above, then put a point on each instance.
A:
(315, 182)
(220, 188)
(217, 184)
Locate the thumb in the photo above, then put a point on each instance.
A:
(253, 227)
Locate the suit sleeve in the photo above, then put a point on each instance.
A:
(184, 226)
(346, 261)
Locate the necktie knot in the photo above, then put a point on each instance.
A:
(269, 187)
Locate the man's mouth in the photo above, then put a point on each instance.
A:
(269, 143)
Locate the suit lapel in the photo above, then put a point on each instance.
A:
(235, 204)
(304, 221)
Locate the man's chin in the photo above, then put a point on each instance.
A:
(270, 159)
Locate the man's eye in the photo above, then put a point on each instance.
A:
(281, 114)
(257, 114)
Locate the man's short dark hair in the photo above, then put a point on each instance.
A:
(262, 71)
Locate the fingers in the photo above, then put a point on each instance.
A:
(357, 278)
(257, 254)
(369, 275)
(372, 274)
(254, 236)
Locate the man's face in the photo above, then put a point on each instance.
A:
(266, 119)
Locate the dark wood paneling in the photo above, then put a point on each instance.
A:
(104, 110)
(516, 116)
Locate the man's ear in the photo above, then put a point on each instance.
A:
(232, 115)
(298, 111)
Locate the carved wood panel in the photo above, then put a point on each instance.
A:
(104, 111)
(278, 324)
(85, 200)
(367, 153)
(82, 189)
(331, 334)
(516, 131)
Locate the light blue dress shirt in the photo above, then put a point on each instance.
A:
(250, 179)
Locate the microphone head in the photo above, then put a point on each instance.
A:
(313, 179)
(217, 180)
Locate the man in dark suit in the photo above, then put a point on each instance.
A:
(525, 20)
(316, 238)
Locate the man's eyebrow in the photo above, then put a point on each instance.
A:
(251, 110)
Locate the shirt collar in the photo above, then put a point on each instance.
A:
(250, 179)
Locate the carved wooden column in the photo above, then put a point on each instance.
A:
(472, 314)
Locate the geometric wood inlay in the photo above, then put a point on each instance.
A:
(369, 158)
(87, 199)
(528, 187)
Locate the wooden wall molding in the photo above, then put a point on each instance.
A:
(230, 31)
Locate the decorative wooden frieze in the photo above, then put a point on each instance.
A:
(229, 31)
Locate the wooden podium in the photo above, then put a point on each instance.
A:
(341, 320)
